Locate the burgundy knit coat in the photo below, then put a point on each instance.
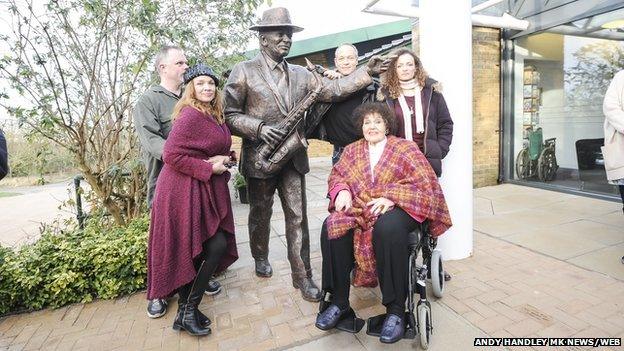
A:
(190, 203)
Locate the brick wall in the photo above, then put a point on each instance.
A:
(486, 112)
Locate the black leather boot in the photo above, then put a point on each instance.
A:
(183, 295)
(202, 318)
(187, 317)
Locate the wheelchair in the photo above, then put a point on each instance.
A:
(537, 157)
(419, 323)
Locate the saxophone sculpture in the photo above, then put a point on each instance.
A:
(272, 158)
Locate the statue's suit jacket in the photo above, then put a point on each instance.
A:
(252, 99)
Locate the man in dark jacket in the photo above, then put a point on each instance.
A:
(4, 156)
(338, 126)
(152, 120)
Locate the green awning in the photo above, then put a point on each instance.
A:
(353, 36)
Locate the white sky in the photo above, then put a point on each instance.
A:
(321, 17)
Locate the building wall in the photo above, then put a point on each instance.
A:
(486, 112)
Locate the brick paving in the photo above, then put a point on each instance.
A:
(504, 289)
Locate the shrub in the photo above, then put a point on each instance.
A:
(239, 181)
(100, 261)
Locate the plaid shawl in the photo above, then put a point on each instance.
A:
(402, 175)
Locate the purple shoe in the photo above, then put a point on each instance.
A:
(392, 330)
(328, 319)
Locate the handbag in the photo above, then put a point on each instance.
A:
(613, 154)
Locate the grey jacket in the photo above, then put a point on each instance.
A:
(252, 100)
(152, 120)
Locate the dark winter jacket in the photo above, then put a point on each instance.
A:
(438, 122)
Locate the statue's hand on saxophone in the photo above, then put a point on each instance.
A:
(271, 135)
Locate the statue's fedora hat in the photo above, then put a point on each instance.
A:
(275, 18)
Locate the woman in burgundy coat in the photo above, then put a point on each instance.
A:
(192, 228)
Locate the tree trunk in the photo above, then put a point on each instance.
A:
(104, 196)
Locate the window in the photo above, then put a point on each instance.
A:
(559, 83)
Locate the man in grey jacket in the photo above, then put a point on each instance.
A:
(152, 120)
(152, 113)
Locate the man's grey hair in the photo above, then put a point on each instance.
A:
(162, 54)
(346, 44)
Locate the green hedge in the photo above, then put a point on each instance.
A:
(77, 266)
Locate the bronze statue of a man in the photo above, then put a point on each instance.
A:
(258, 95)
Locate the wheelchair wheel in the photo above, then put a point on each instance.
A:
(547, 165)
(437, 273)
(424, 325)
(523, 164)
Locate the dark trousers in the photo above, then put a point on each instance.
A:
(622, 194)
(391, 252)
(290, 186)
(213, 250)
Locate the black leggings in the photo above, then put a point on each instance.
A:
(206, 264)
(391, 252)
(622, 193)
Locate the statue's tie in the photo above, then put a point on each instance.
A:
(282, 85)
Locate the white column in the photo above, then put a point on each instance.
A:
(446, 52)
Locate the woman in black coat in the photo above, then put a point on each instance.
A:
(408, 91)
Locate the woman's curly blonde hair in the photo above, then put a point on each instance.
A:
(390, 80)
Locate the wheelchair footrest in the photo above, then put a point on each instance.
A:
(350, 323)
(374, 325)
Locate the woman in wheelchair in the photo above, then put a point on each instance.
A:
(380, 190)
